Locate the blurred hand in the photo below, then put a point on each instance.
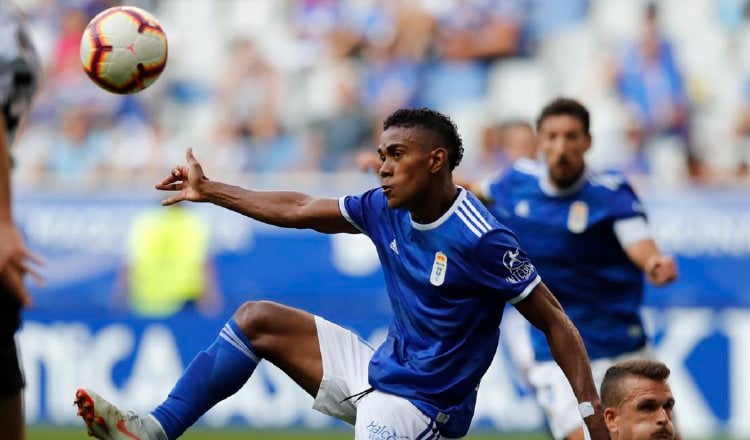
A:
(15, 262)
(661, 270)
(185, 179)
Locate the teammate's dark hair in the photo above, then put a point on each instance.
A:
(613, 393)
(565, 106)
(434, 121)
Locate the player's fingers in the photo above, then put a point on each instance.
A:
(180, 172)
(666, 275)
(167, 180)
(33, 273)
(172, 200)
(177, 186)
(191, 160)
(34, 258)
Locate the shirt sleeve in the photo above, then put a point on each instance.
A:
(358, 209)
(625, 203)
(504, 267)
(631, 230)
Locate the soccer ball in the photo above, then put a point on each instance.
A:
(123, 49)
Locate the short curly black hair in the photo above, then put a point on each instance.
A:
(434, 121)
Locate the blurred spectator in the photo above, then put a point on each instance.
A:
(168, 265)
(743, 133)
(77, 153)
(652, 86)
(397, 37)
(250, 85)
(272, 147)
(134, 152)
(325, 29)
(229, 151)
(446, 54)
(337, 138)
(546, 18)
(470, 35)
(67, 63)
(502, 144)
(731, 13)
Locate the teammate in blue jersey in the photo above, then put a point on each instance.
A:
(587, 234)
(449, 266)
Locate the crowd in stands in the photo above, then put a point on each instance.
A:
(302, 85)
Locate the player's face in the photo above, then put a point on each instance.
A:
(406, 157)
(646, 412)
(563, 142)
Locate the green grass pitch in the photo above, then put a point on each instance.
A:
(79, 433)
(53, 433)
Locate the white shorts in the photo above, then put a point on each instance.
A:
(555, 395)
(375, 415)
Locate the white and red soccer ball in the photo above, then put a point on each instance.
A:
(123, 49)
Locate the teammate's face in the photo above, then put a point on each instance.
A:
(646, 412)
(563, 143)
(407, 158)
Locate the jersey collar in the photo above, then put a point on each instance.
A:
(551, 190)
(444, 217)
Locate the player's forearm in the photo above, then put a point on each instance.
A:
(641, 252)
(570, 354)
(278, 208)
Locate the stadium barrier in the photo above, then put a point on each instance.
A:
(76, 335)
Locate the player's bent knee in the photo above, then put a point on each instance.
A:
(255, 318)
(271, 327)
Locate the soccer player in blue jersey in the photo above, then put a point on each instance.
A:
(587, 234)
(449, 267)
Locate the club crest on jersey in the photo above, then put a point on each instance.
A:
(439, 266)
(520, 267)
(522, 209)
(578, 217)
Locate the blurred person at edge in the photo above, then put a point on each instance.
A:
(19, 67)
(503, 143)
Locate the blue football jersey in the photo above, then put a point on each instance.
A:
(570, 237)
(448, 282)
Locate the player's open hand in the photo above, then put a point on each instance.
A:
(186, 180)
(15, 262)
(661, 270)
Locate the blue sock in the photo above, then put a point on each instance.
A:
(212, 376)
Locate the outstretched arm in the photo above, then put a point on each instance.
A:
(660, 269)
(543, 310)
(286, 209)
(635, 238)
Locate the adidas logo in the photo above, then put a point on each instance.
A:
(394, 246)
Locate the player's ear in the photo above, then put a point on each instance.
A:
(610, 419)
(589, 141)
(438, 159)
